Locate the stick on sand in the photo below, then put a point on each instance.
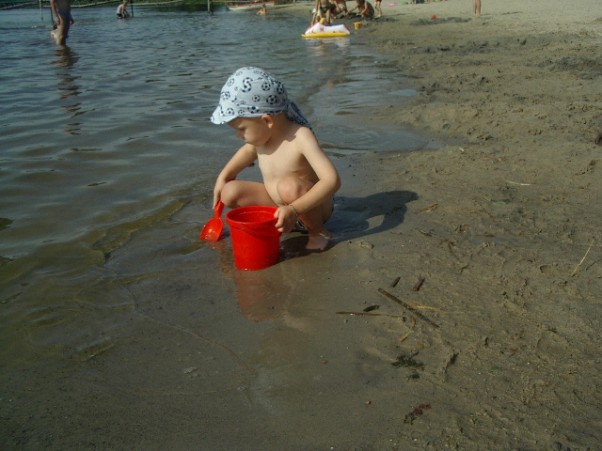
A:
(582, 260)
(407, 306)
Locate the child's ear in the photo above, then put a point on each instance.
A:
(268, 119)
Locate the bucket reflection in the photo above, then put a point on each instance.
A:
(262, 295)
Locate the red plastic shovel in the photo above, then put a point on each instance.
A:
(213, 229)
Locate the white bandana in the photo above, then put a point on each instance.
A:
(253, 92)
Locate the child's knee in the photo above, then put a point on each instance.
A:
(230, 194)
(291, 188)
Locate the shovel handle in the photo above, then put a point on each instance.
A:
(219, 208)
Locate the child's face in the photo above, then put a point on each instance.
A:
(253, 130)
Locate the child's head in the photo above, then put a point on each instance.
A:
(251, 92)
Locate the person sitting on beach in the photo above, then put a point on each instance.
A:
(61, 10)
(364, 9)
(340, 8)
(122, 10)
(263, 11)
(298, 177)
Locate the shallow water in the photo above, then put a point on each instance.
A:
(116, 126)
(104, 142)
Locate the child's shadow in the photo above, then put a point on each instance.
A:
(355, 217)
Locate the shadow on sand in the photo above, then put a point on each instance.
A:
(356, 217)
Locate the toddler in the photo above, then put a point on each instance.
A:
(298, 177)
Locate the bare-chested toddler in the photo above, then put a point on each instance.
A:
(298, 177)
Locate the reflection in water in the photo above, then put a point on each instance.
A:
(261, 294)
(67, 87)
(265, 294)
(321, 49)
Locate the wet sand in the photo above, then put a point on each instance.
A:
(505, 229)
(459, 307)
(497, 240)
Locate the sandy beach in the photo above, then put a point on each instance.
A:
(505, 227)
(496, 240)
(459, 307)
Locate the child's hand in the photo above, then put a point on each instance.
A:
(216, 198)
(217, 192)
(217, 189)
(286, 217)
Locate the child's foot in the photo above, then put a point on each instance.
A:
(318, 242)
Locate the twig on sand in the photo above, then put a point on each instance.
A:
(404, 337)
(388, 295)
(418, 284)
(517, 183)
(350, 313)
(582, 260)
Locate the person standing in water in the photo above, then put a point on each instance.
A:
(122, 10)
(61, 10)
(263, 11)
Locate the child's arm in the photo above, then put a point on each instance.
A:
(243, 158)
(328, 181)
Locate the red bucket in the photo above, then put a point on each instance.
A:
(255, 240)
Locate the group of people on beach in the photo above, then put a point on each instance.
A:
(335, 9)
(325, 12)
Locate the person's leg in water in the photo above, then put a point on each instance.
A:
(61, 33)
